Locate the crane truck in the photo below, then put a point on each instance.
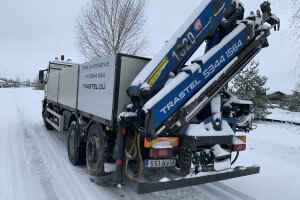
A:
(136, 116)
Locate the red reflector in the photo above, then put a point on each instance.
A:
(161, 153)
(124, 131)
(119, 162)
(239, 147)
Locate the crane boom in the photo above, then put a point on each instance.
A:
(224, 57)
(200, 26)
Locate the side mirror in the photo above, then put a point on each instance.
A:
(41, 77)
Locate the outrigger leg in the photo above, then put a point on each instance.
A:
(120, 148)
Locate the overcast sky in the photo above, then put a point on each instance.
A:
(36, 31)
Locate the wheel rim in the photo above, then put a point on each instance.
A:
(72, 143)
(92, 148)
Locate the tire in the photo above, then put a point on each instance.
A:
(76, 149)
(46, 124)
(95, 150)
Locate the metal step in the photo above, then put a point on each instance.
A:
(147, 187)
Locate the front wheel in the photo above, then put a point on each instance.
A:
(95, 150)
(76, 148)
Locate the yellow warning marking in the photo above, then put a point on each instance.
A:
(153, 77)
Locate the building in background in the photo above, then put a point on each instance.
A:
(275, 97)
(2, 84)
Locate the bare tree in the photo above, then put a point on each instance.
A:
(106, 27)
(27, 82)
(295, 26)
(298, 85)
(295, 20)
(293, 32)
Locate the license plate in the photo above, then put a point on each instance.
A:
(160, 163)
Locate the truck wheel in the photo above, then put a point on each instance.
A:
(76, 149)
(95, 150)
(46, 124)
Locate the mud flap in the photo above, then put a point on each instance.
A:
(185, 155)
(185, 182)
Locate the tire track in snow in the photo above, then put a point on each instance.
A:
(35, 160)
(16, 180)
(64, 179)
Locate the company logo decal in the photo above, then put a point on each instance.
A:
(197, 25)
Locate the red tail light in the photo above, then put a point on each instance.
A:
(239, 143)
(161, 153)
(239, 147)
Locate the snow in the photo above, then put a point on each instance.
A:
(222, 165)
(215, 104)
(275, 17)
(207, 129)
(215, 107)
(164, 179)
(234, 99)
(218, 151)
(276, 148)
(191, 68)
(127, 114)
(162, 145)
(238, 101)
(34, 162)
(245, 119)
(285, 115)
(109, 167)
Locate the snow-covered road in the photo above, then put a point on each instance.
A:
(34, 162)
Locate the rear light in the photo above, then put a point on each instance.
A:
(239, 143)
(239, 147)
(161, 153)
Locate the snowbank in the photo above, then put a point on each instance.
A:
(285, 115)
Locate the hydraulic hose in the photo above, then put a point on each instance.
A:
(135, 146)
(236, 157)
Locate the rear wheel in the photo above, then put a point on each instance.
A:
(95, 150)
(45, 116)
(76, 148)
